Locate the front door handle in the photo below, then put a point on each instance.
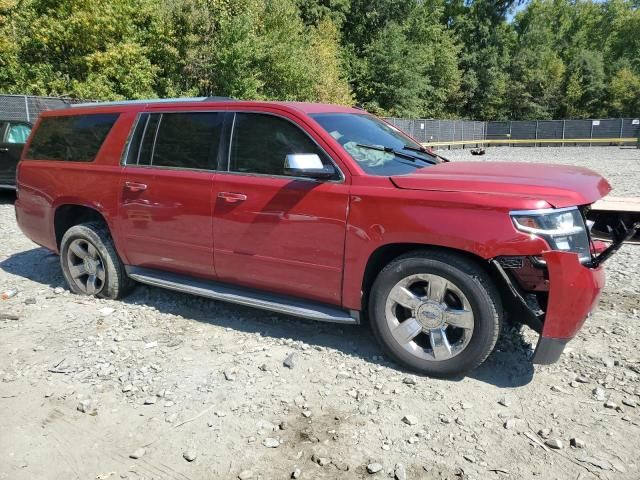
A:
(4, 149)
(231, 197)
(135, 186)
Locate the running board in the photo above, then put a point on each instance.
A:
(243, 296)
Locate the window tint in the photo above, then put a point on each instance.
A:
(75, 138)
(182, 140)
(134, 141)
(187, 140)
(149, 132)
(17, 133)
(261, 143)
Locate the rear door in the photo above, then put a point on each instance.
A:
(13, 136)
(273, 231)
(165, 207)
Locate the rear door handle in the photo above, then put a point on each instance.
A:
(135, 186)
(4, 149)
(231, 197)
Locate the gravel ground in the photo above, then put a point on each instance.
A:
(167, 386)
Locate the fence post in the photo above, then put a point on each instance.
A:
(621, 125)
(591, 134)
(510, 125)
(454, 133)
(462, 134)
(564, 123)
(26, 108)
(536, 144)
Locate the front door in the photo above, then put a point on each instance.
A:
(13, 136)
(166, 208)
(273, 231)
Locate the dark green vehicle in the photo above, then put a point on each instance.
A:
(13, 136)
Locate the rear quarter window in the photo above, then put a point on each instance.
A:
(75, 138)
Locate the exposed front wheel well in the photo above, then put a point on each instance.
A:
(387, 253)
(67, 216)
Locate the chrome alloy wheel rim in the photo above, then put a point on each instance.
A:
(429, 317)
(86, 266)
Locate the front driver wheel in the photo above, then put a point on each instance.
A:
(437, 313)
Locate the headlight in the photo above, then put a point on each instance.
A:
(563, 229)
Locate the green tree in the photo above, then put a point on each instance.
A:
(585, 86)
(327, 64)
(485, 58)
(625, 93)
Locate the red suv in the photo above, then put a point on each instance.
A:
(319, 211)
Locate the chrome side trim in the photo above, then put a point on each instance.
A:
(6, 186)
(243, 296)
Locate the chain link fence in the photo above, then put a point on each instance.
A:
(428, 131)
(540, 132)
(26, 108)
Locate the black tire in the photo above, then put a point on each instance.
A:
(469, 277)
(116, 283)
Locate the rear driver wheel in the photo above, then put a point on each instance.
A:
(90, 263)
(437, 313)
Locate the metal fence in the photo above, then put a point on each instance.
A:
(429, 131)
(27, 108)
(540, 132)
(449, 133)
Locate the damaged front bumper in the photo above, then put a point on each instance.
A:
(555, 293)
(573, 293)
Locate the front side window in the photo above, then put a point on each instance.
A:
(17, 133)
(261, 143)
(379, 148)
(177, 140)
(72, 138)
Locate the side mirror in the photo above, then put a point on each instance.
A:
(307, 165)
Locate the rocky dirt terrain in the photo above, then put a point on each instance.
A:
(168, 386)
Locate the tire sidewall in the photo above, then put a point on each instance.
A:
(93, 236)
(486, 320)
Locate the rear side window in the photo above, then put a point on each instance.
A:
(261, 143)
(74, 138)
(177, 140)
(17, 133)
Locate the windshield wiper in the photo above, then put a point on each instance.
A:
(408, 156)
(424, 150)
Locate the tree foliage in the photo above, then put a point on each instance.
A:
(427, 58)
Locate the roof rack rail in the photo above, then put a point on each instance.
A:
(148, 100)
(215, 98)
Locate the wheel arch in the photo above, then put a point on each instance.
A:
(67, 215)
(385, 254)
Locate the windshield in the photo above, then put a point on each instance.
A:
(379, 148)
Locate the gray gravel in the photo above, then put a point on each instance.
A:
(174, 353)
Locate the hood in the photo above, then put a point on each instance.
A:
(558, 185)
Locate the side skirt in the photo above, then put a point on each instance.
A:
(243, 296)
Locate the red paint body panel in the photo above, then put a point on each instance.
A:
(287, 236)
(168, 225)
(474, 223)
(306, 238)
(574, 291)
(561, 186)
